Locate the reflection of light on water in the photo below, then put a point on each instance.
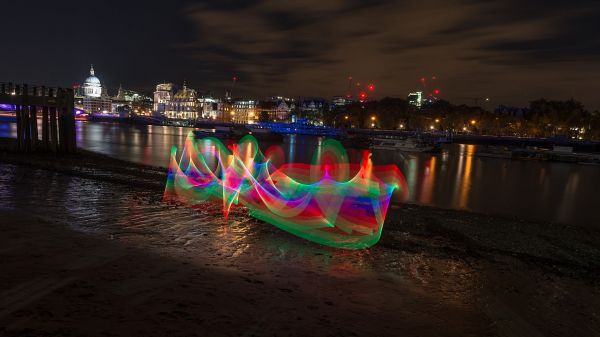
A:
(462, 182)
(466, 177)
(292, 149)
(318, 153)
(459, 171)
(136, 138)
(428, 181)
(411, 178)
(499, 178)
(78, 130)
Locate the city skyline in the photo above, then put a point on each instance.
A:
(367, 90)
(513, 52)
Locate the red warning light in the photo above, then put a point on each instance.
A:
(362, 96)
(371, 87)
(234, 78)
(436, 92)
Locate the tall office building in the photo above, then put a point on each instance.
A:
(162, 96)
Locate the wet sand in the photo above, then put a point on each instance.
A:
(87, 248)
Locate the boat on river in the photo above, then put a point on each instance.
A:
(301, 127)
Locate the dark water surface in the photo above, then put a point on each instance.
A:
(454, 179)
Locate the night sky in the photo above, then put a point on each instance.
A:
(511, 50)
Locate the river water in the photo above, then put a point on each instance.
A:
(454, 179)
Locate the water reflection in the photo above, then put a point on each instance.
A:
(465, 185)
(428, 181)
(457, 178)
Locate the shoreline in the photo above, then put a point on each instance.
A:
(99, 166)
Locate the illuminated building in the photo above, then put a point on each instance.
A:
(91, 97)
(226, 111)
(312, 110)
(162, 96)
(283, 110)
(289, 101)
(267, 107)
(209, 107)
(277, 109)
(313, 105)
(92, 86)
(129, 101)
(340, 101)
(183, 105)
(131, 96)
(415, 99)
(244, 111)
(101, 104)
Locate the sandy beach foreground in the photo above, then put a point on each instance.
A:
(87, 248)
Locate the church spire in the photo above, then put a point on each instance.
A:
(92, 70)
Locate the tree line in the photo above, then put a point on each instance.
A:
(543, 118)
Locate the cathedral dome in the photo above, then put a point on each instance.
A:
(92, 86)
(92, 80)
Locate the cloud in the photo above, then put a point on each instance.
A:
(309, 47)
(510, 50)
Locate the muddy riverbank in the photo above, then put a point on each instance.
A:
(87, 248)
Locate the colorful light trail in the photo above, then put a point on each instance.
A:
(330, 201)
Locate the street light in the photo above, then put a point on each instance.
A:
(373, 118)
(346, 117)
(437, 120)
(473, 122)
